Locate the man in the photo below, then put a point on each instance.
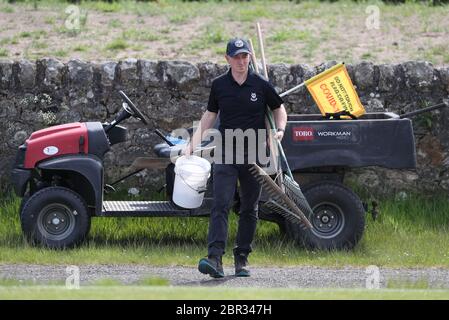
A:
(240, 97)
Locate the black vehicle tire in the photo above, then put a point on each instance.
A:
(55, 217)
(25, 199)
(26, 196)
(338, 218)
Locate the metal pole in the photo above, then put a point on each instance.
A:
(292, 89)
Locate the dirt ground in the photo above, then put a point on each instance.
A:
(303, 33)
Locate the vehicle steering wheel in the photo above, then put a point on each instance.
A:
(135, 112)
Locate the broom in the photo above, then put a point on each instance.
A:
(286, 198)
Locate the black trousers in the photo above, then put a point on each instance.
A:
(225, 178)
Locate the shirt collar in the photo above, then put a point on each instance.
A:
(249, 79)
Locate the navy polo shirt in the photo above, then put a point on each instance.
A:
(242, 106)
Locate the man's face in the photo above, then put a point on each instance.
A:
(239, 62)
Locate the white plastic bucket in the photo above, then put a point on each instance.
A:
(190, 181)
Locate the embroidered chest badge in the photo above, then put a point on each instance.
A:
(253, 97)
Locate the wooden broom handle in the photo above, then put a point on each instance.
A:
(253, 57)
(262, 52)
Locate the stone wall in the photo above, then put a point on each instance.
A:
(172, 94)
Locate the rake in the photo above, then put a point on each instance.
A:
(283, 203)
(286, 199)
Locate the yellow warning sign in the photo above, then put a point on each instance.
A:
(334, 92)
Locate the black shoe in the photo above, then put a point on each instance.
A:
(241, 261)
(212, 266)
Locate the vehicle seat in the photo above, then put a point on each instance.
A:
(163, 150)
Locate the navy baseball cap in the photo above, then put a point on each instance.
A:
(236, 46)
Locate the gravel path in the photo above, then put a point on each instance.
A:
(285, 277)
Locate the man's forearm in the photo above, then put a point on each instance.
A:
(280, 117)
(207, 122)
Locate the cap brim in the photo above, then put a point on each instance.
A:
(240, 51)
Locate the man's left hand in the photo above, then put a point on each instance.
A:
(279, 135)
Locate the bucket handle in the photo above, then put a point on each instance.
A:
(199, 190)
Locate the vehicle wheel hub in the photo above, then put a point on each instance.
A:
(55, 221)
(328, 220)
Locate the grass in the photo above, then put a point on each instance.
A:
(309, 31)
(115, 23)
(286, 34)
(80, 48)
(39, 44)
(9, 40)
(61, 53)
(439, 53)
(214, 38)
(179, 17)
(117, 44)
(7, 9)
(50, 20)
(33, 34)
(107, 7)
(108, 291)
(421, 284)
(25, 34)
(135, 36)
(404, 236)
(139, 35)
(367, 56)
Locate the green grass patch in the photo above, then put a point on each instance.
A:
(211, 293)
(25, 34)
(404, 235)
(115, 23)
(80, 48)
(39, 44)
(137, 47)
(9, 40)
(140, 35)
(117, 44)
(286, 34)
(7, 9)
(3, 52)
(50, 20)
(61, 53)
(251, 14)
(166, 30)
(4, 41)
(107, 282)
(33, 34)
(310, 48)
(107, 7)
(213, 37)
(438, 53)
(421, 284)
(154, 281)
(367, 56)
(179, 17)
